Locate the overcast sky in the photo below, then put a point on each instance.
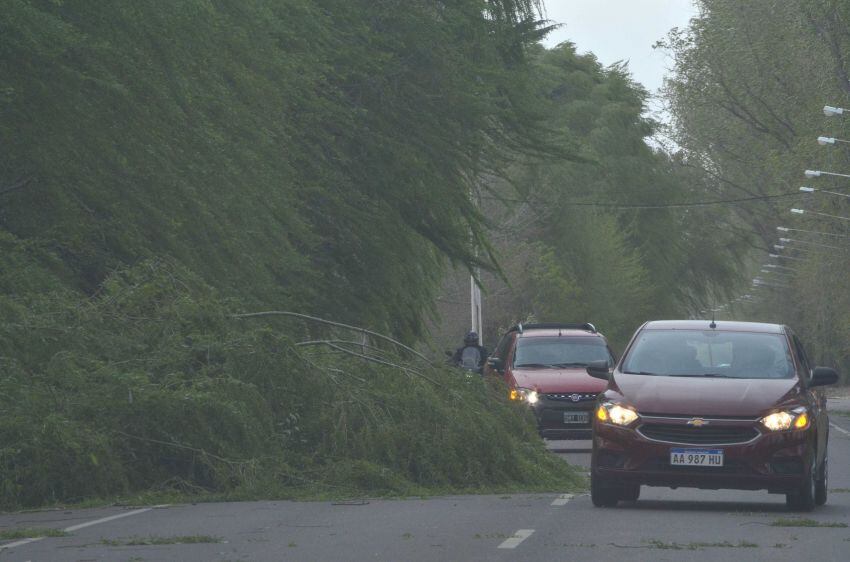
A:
(616, 30)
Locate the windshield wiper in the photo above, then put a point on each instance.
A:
(647, 373)
(569, 365)
(532, 365)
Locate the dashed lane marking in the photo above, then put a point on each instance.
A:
(841, 429)
(73, 528)
(562, 499)
(517, 538)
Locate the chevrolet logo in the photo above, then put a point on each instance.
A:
(697, 422)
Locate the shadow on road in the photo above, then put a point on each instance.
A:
(690, 505)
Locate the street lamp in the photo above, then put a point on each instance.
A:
(830, 111)
(819, 173)
(759, 282)
(806, 242)
(774, 266)
(777, 256)
(786, 229)
(805, 189)
(805, 212)
(823, 141)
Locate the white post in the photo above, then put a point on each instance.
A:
(475, 308)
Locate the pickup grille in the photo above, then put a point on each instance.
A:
(688, 435)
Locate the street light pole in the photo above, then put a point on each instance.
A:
(475, 308)
(807, 212)
(805, 189)
(819, 173)
(786, 229)
(807, 243)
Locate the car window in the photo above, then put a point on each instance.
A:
(557, 351)
(710, 353)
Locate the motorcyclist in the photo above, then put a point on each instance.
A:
(470, 356)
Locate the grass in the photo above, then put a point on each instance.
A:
(782, 522)
(30, 533)
(149, 541)
(661, 545)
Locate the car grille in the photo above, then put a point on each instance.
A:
(698, 435)
(572, 396)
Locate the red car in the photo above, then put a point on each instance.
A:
(545, 366)
(711, 405)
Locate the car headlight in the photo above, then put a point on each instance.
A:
(524, 395)
(798, 418)
(616, 414)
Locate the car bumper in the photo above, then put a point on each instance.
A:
(555, 418)
(777, 462)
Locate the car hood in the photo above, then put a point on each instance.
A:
(702, 396)
(558, 380)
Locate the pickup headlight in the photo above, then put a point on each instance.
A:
(524, 395)
(798, 418)
(617, 414)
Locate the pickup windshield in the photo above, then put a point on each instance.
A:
(710, 353)
(559, 352)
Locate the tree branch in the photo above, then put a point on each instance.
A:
(332, 323)
(20, 184)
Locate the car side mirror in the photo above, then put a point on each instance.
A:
(599, 369)
(495, 363)
(822, 376)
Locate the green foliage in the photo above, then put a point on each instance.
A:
(315, 154)
(750, 81)
(151, 384)
(30, 532)
(606, 241)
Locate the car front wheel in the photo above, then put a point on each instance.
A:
(601, 495)
(803, 499)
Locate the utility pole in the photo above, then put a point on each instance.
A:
(474, 289)
(475, 308)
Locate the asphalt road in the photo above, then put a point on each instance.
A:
(663, 525)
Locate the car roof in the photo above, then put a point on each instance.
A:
(720, 325)
(551, 332)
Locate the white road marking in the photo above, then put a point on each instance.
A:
(19, 543)
(518, 537)
(73, 528)
(562, 499)
(841, 429)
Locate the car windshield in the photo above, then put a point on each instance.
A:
(710, 353)
(560, 351)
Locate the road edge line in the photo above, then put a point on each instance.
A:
(517, 538)
(841, 429)
(562, 500)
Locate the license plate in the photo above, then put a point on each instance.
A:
(576, 417)
(696, 457)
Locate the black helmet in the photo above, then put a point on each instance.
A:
(471, 338)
